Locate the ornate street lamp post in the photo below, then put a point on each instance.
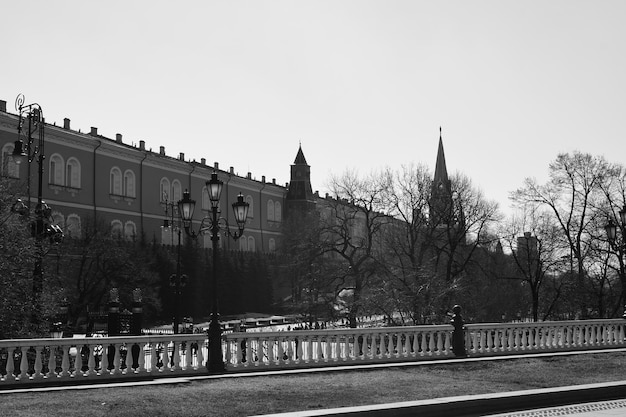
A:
(177, 281)
(214, 224)
(618, 244)
(42, 225)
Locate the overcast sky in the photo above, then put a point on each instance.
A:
(360, 84)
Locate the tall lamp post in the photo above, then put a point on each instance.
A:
(177, 281)
(619, 246)
(214, 224)
(26, 149)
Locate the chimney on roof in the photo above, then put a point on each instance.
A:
(3, 106)
(216, 165)
(66, 124)
(142, 145)
(203, 161)
(118, 137)
(263, 179)
(181, 156)
(162, 150)
(94, 131)
(232, 170)
(274, 181)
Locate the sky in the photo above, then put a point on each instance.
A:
(360, 85)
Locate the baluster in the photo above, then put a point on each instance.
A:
(592, 339)
(318, 349)
(576, 336)
(117, 359)
(248, 350)
(282, 356)
(290, 349)
(424, 348)
(298, 351)
(431, 342)
(239, 351)
(327, 351)
(200, 354)
(38, 367)
(104, 360)
(511, 339)
(269, 344)
(447, 345)
(407, 345)
(23, 363)
(375, 345)
(65, 361)
(10, 362)
(91, 361)
(308, 354)
(389, 345)
(140, 360)
(439, 336)
(153, 357)
(175, 362)
(78, 361)
(416, 346)
(189, 355)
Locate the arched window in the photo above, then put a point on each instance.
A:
(251, 244)
(116, 229)
(72, 226)
(278, 212)
(116, 181)
(129, 183)
(243, 244)
(56, 170)
(270, 210)
(130, 230)
(177, 193)
(251, 209)
(9, 167)
(272, 245)
(72, 173)
(165, 191)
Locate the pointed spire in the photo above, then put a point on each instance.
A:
(441, 172)
(300, 159)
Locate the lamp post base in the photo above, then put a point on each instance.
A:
(215, 362)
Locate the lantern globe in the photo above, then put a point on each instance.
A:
(214, 187)
(186, 207)
(240, 209)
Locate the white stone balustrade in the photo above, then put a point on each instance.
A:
(305, 348)
(25, 362)
(514, 338)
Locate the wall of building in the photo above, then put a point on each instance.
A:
(123, 185)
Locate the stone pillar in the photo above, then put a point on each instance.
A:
(113, 316)
(137, 310)
(458, 334)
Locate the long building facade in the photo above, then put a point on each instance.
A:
(89, 178)
(132, 190)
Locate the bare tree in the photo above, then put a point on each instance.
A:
(572, 192)
(533, 239)
(351, 230)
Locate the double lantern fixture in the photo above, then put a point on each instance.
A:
(214, 224)
(214, 186)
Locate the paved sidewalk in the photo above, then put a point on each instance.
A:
(615, 408)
